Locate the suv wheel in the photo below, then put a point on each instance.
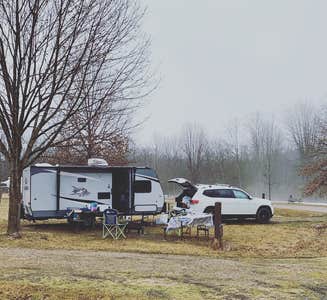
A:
(263, 215)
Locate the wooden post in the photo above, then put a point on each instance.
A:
(218, 239)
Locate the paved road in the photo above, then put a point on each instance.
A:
(314, 208)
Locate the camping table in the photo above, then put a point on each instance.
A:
(188, 221)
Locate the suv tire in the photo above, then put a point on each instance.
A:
(263, 215)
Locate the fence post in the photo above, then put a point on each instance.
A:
(218, 239)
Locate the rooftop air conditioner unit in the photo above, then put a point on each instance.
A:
(43, 165)
(97, 162)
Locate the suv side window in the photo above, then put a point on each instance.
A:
(225, 194)
(210, 193)
(221, 193)
(240, 195)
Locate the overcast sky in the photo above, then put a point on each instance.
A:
(219, 60)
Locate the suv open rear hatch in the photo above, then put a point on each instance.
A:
(184, 183)
(189, 189)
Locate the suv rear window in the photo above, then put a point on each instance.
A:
(219, 193)
(240, 195)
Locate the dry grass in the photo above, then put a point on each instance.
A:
(72, 274)
(289, 235)
(4, 207)
(284, 212)
(297, 270)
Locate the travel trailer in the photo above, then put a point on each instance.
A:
(50, 191)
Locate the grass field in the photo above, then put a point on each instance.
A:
(290, 234)
(286, 259)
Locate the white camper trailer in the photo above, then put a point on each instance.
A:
(50, 191)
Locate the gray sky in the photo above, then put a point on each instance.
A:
(219, 60)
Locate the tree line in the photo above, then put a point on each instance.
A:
(261, 153)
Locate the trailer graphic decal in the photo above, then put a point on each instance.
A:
(81, 192)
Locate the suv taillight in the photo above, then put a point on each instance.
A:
(193, 201)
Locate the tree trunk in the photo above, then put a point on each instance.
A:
(14, 201)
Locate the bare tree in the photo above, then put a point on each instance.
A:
(51, 55)
(255, 127)
(105, 120)
(271, 147)
(316, 167)
(266, 143)
(234, 132)
(217, 156)
(302, 125)
(193, 144)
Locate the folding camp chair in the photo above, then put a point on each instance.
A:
(111, 227)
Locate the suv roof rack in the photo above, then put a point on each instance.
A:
(224, 184)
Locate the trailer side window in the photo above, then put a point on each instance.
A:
(103, 196)
(81, 179)
(142, 186)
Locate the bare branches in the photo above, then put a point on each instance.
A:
(59, 51)
(316, 166)
(302, 125)
(193, 143)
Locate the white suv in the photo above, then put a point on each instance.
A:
(235, 203)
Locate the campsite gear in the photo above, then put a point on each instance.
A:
(93, 206)
(177, 211)
(82, 216)
(186, 200)
(162, 219)
(111, 226)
